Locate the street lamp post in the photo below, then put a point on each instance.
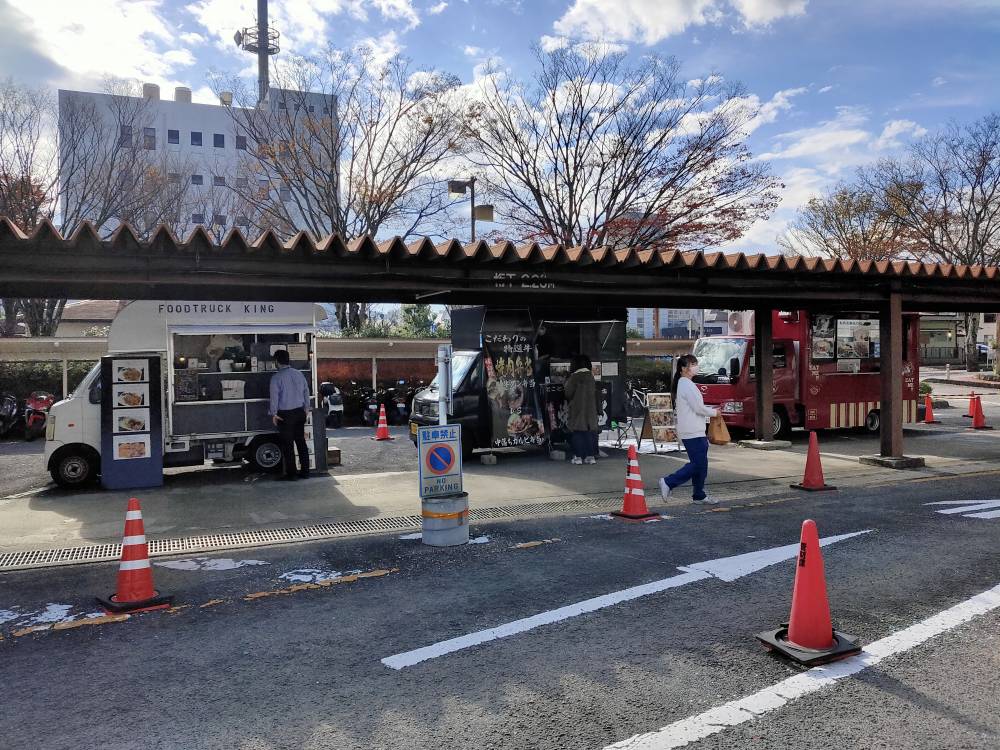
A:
(457, 188)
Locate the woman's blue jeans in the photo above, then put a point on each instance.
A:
(696, 469)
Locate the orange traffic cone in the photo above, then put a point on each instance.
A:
(979, 419)
(382, 433)
(634, 503)
(135, 592)
(812, 480)
(972, 406)
(809, 638)
(929, 411)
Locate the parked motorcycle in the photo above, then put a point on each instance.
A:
(333, 400)
(10, 415)
(371, 402)
(36, 412)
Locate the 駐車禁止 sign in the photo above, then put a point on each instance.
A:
(440, 452)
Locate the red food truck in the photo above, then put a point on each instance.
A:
(826, 371)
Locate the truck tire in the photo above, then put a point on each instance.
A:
(780, 424)
(74, 467)
(873, 422)
(264, 454)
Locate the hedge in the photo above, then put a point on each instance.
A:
(21, 378)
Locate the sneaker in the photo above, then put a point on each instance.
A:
(577, 461)
(601, 454)
(590, 460)
(706, 501)
(664, 489)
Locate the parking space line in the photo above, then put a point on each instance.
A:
(724, 569)
(715, 720)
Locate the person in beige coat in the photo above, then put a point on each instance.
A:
(581, 395)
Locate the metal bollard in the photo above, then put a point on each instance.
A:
(947, 370)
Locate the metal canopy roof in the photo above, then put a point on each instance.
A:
(46, 264)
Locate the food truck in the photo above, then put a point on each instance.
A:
(183, 382)
(508, 370)
(826, 371)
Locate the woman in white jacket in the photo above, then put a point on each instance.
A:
(692, 414)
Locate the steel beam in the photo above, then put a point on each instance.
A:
(891, 410)
(763, 343)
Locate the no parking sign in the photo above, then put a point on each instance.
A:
(440, 451)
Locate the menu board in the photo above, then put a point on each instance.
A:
(855, 337)
(824, 337)
(661, 424)
(131, 431)
(515, 415)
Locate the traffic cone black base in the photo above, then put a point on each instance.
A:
(844, 645)
(824, 488)
(160, 601)
(629, 517)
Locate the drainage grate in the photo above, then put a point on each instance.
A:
(45, 558)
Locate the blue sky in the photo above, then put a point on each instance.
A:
(840, 83)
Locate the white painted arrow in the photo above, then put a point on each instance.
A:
(968, 506)
(724, 568)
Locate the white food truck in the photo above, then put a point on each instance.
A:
(183, 382)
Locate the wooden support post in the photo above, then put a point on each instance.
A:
(763, 342)
(891, 410)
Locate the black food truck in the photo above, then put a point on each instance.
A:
(508, 370)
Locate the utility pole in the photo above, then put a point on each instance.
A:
(263, 42)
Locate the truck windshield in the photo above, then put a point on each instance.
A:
(84, 387)
(461, 363)
(713, 357)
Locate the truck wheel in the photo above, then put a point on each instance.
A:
(264, 454)
(74, 468)
(779, 424)
(873, 423)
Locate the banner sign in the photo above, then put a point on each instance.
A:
(515, 415)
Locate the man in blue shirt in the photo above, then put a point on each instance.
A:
(289, 400)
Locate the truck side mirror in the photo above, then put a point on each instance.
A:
(734, 368)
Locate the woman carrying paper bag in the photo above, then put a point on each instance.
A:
(692, 414)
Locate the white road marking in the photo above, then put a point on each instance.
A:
(315, 575)
(208, 563)
(27, 493)
(740, 711)
(970, 508)
(725, 569)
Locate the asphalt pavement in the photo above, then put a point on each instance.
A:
(252, 658)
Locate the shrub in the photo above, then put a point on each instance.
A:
(21, 378)
(925, 388)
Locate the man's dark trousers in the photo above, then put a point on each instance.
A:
(292, 429)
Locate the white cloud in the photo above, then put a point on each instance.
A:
(939, 81)
(192, 37)
(651, 21)
(835, 135)
(825, 89)
(398, 10)
(304, 24)
(383, 47)
(763, 12)
(90, 40)
(893, 129)
(552, 43)
(471, 51)
(438, 9)
(768, 111)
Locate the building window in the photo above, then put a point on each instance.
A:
(283, 148)
(242, 182)
(197, 218)
(173, 177)
(312, 108)
(149, 139)
(125, 136)
(989, 317)
(285, 194)
(219, 140)
(195, 138)
(219, 220)
(241, 143)
(281, 104)
(174, 137)
(326, 109)
(243, 221)
(219, 181)
(197, 179)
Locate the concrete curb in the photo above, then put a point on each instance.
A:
(986, 384)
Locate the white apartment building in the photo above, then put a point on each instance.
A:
(676, 323)
(196, 145)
